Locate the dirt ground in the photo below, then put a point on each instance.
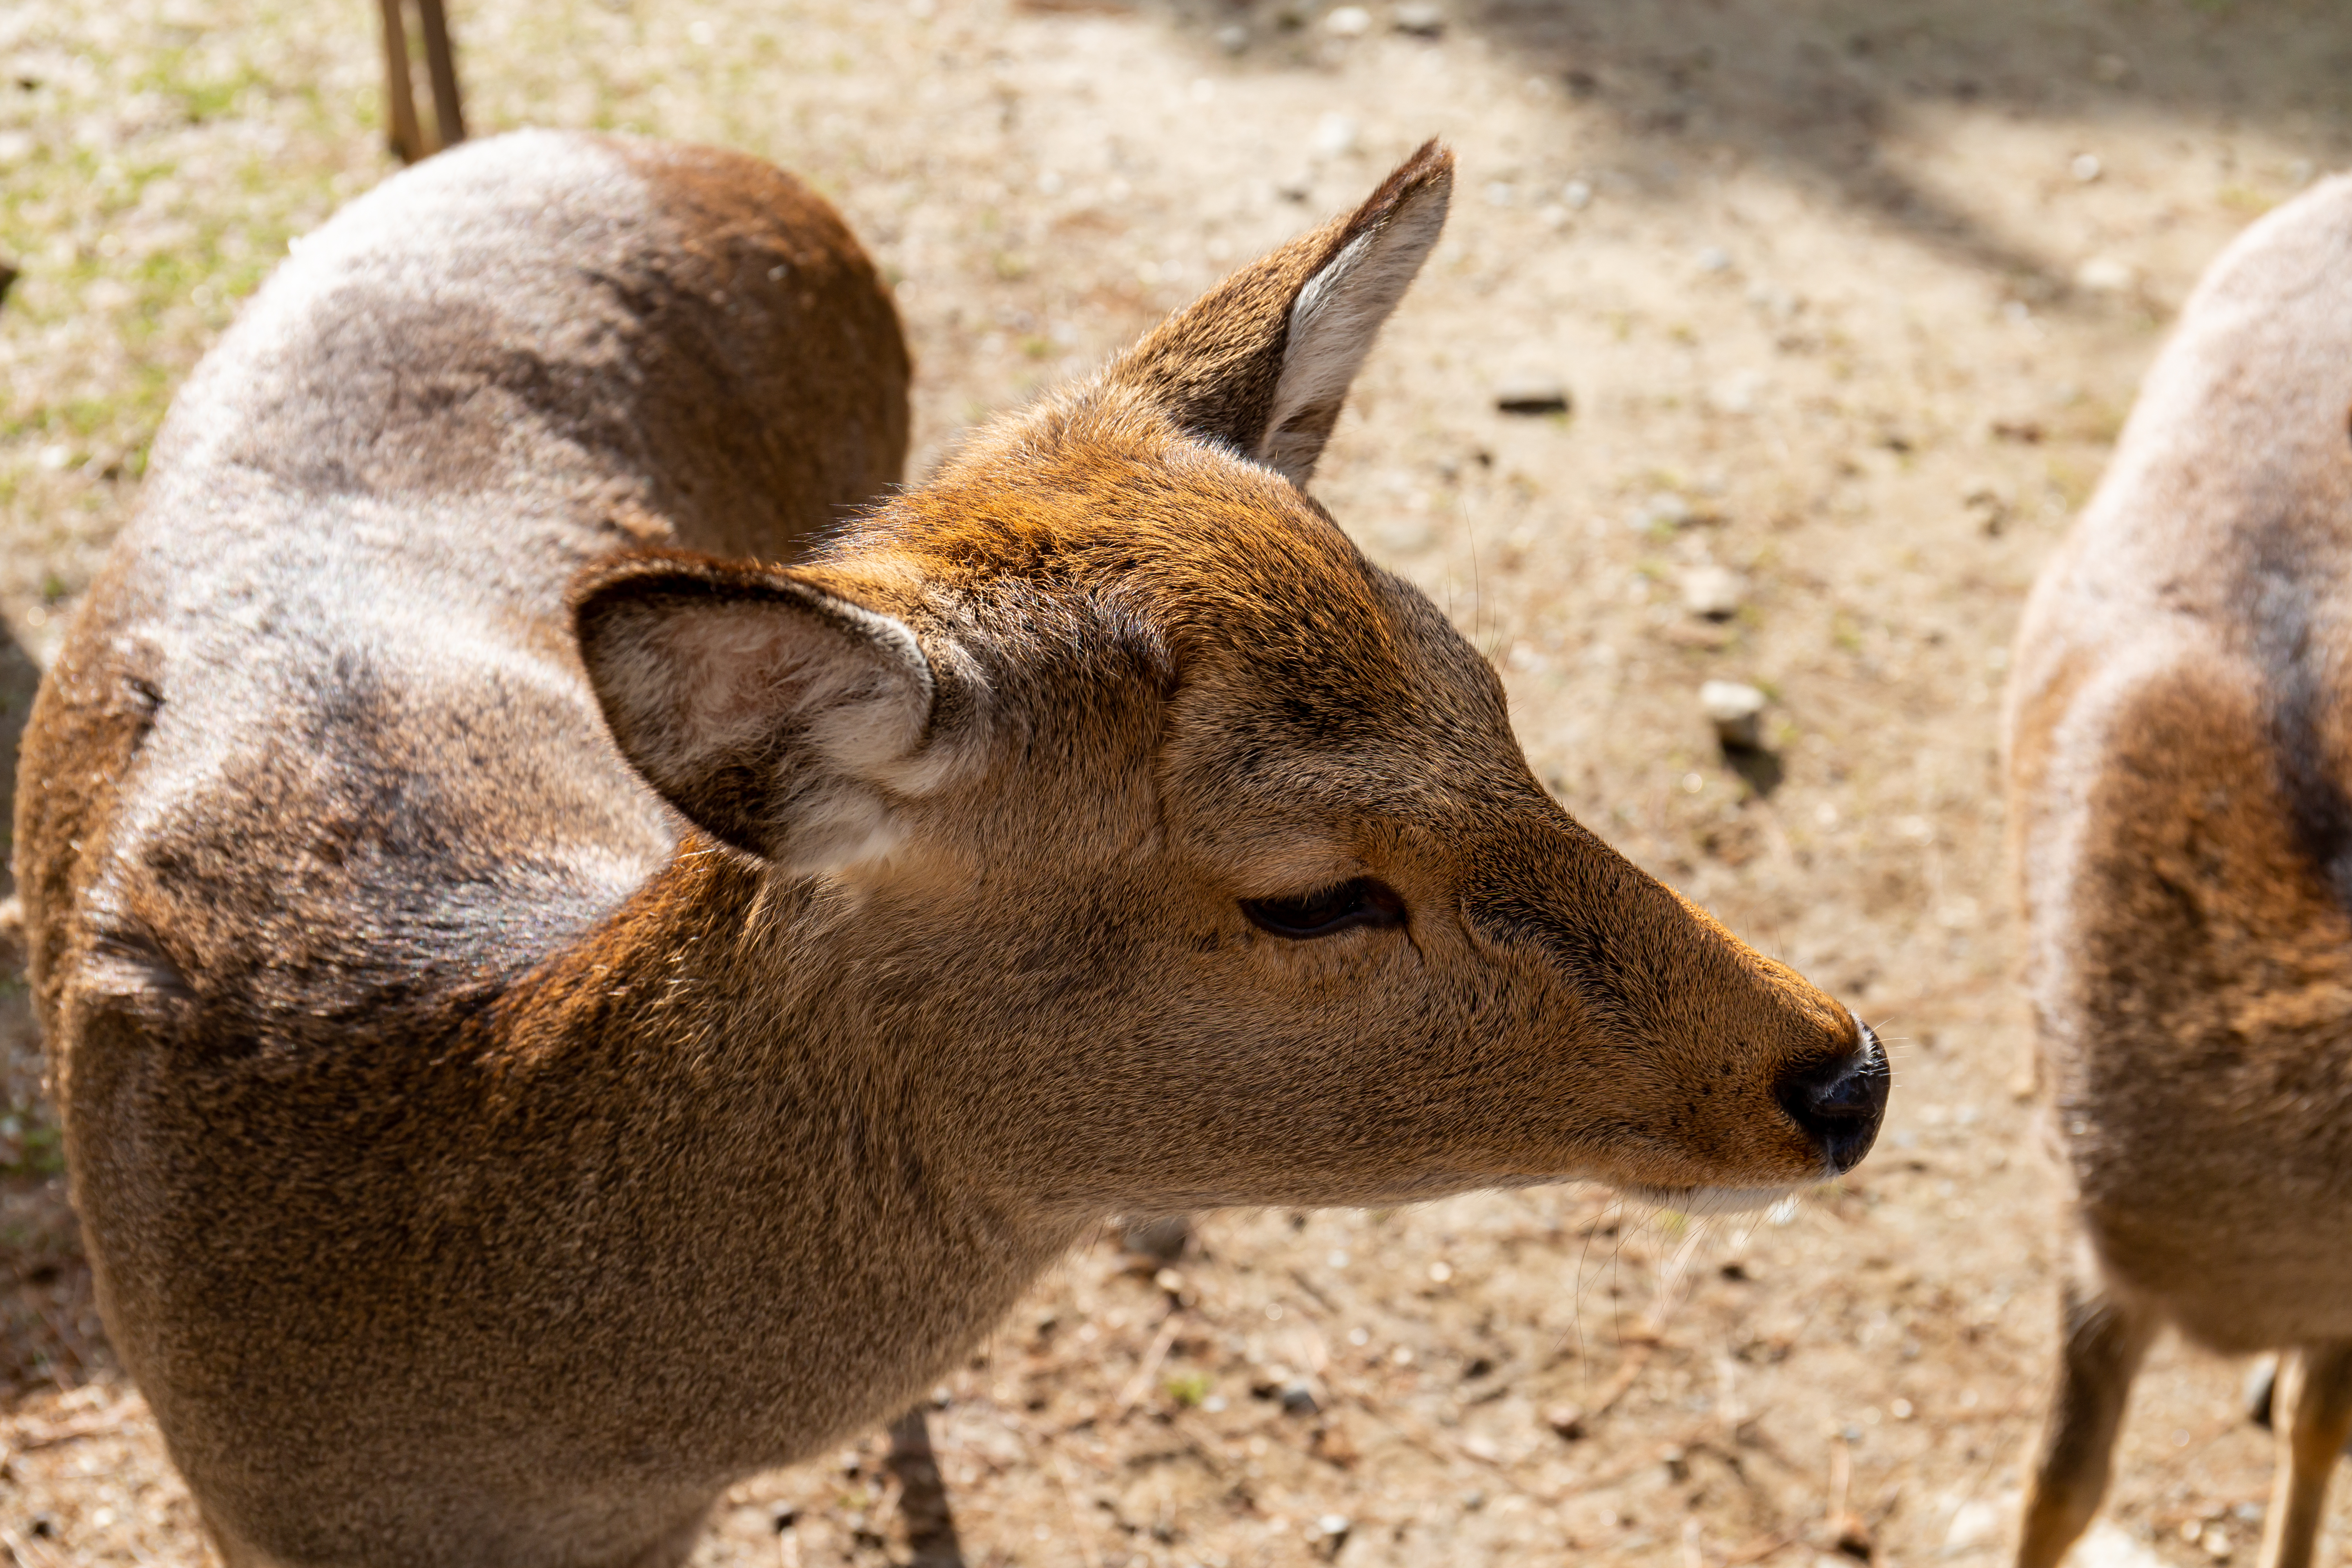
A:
(1850, 300)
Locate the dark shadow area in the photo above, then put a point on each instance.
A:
(1760, 768)
(922, 1494)
(49, 1333)
(1815, 88)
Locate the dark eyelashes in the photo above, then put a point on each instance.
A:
(1363, 902)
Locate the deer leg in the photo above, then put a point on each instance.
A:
(2312, 1411)
(2103, 1342)
(923, 1495)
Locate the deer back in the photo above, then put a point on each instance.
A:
(2179, 739)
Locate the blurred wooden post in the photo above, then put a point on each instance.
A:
(408, 137)
(441, 65)
(399, 96)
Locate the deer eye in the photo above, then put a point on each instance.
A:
(1361, 902)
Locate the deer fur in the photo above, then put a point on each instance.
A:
(554, 1010)
(2179, 742)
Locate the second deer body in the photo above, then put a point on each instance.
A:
(2179, 735)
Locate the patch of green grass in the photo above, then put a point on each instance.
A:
(1187, 1388)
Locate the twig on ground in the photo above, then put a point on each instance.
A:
(1139, 1386)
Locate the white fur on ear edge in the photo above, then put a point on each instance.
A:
(1333, 322)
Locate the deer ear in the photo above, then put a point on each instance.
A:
(1263, 361)
(771, 712)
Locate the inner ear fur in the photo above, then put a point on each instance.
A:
(766, 708)
(1262, 362)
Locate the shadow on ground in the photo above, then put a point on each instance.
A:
(48, 1323)
(1822, 88)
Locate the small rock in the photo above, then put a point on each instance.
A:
(1233, 37)
(1850, 1536)
(783, 1515)
(2107, 1547)
(1662, 513)
(1298, 1398)
(2085, 167)
(1566, 1420)
(2216, 1542)
(1335, 134)
(1333, 1446)
(2110, 69)
(1168, 1280)
(1347, 22)
(1736, 393)
(1420, 18)
(1736, 710)
(2103, 274)
(1714, 259)
(1991, 505)
(1577, 195)
(1975, 1523)
(1533, 394)
(1296, 188)
(1711, 592)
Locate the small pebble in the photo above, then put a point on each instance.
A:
(1298, 1398)
(1233, 37)
(1335, 134)
(1736, 710)
(1533, 395)
(1714, 259)
(1348, 22)
(1577, 195)
(1333, 1524)
(1420, 18)
(2085, 167)
(1566, 1420)
(2103, 274)
(1974, 1524)
(2106, 1546)
(1711, 592)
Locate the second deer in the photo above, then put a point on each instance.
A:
(2179, 739)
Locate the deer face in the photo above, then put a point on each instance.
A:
(1202, 845)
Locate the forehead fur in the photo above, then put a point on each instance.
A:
(1099, 500)
(1093, 531)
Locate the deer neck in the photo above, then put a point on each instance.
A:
(766, 1134)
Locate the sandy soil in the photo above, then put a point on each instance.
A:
(1850, 297)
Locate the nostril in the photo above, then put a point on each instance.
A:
(1838, 1102)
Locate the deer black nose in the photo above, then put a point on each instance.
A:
(1839, 1103)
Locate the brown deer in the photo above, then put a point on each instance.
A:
(546, 1026)
(2180, 741)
